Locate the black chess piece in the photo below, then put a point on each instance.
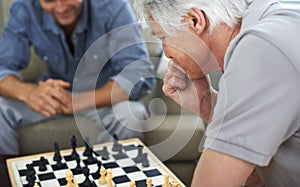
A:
(87, 182)
(57, 155)
(145, 161)
(42, 164)
(87, 146)
(74, 155)
(91, 159)
(29, 172)
(116, 146)
(104, 153)
(78, 168)
(97, 173)
(139, 157)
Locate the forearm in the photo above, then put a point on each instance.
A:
(14, 88)
(107, 95)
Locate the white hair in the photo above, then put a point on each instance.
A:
(170, 13)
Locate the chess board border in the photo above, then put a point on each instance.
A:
(67, 151)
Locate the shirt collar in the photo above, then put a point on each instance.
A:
(49, 22)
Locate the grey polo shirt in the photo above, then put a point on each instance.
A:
(257, 115)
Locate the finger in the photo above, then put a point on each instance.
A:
(44, 107)
(58, 83)
(62, 96)
(177, 83)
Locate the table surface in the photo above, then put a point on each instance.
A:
(5, 182)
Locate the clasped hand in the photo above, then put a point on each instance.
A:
(50, 97)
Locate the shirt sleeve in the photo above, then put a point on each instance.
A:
(257, 105)
(14, 43)
(133, 69)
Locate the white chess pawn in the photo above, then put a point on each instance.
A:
(166, 184)
(109, 178)
(174, 183)
(149, 182)
(102, 179)
(75, 183)
(132, 184)
(69, 178)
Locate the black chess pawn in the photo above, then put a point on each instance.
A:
(87, 182)
(42, 164)
(105, 153)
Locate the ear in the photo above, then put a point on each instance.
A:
(197, 20)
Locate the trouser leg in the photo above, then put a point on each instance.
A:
(14, 114)
(126, 119)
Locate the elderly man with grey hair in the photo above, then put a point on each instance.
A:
(253, 121)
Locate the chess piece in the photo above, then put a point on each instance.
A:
(42, 164)
(149, 182)
(87, 146)
(36, 185)
(105, 153)
(132, 184)
(109, 178)
(174, 183)
(116, 146)
(102, 179)
(166, 183)
(75, 183)
(87, 182)
(145, 161)
(74, 154)
(78, 168)
(57, 155)
(69, 178)
(139, 157)
(97, 173)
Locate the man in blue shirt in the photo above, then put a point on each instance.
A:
(115, 69)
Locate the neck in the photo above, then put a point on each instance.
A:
(220, 39)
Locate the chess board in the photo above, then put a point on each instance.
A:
(125, 168)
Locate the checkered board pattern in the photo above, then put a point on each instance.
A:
(124, 168)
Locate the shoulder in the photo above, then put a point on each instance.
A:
(111, 6)
(23, 9)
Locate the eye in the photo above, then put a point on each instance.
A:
(162, 38)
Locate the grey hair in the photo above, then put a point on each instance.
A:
(170, 13)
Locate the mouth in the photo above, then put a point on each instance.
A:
(64, 15)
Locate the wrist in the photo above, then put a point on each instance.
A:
(26, 90)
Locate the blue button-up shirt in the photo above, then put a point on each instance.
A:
(29, 25)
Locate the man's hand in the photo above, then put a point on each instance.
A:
(49, 97)
(195, 95)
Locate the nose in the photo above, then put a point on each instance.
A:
(60, 6)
